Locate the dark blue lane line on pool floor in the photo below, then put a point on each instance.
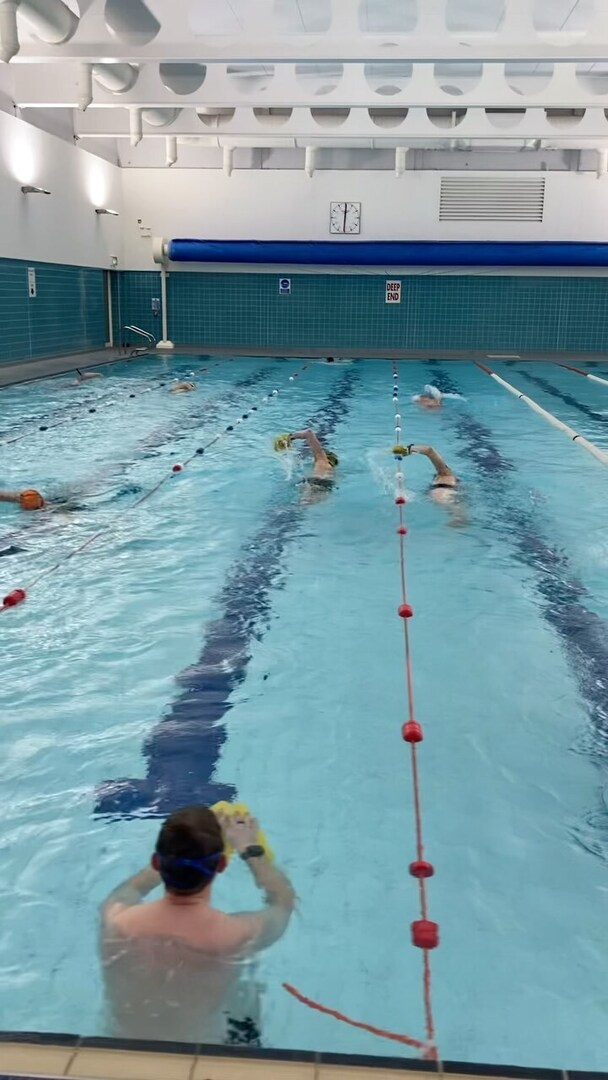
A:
(562, 395)
(183, 749)
(583, 634)
(147, 447)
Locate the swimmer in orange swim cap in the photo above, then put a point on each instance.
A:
(28, 499)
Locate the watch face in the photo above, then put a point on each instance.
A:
(345, 217)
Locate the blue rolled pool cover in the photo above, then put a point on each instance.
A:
(388, 253)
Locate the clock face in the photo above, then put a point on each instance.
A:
(345, 217)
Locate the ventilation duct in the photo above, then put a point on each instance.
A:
(50, 20)
(471, 198)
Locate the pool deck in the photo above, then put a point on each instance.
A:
(105, 1059)
(28, 370)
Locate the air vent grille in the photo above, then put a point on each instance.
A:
(470, 198)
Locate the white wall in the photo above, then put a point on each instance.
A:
(62, 227)
(266, 205)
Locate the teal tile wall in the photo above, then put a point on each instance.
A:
(67, 315)
(443, 311)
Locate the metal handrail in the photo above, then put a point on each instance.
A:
(150, 339)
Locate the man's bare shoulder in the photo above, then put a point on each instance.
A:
(213, 931)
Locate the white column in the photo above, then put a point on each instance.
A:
(110, 312)
(310, 160)
(228, 160)
(164, 343)
(400, 160)
(170, 150)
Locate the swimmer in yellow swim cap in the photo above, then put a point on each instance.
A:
(178, 955)
(325, 462)
(28, 499)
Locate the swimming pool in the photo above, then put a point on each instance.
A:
(296, 607)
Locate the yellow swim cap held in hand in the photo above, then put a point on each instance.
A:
(240, 810)
(282, 442)
(30, 499)
(402, 451)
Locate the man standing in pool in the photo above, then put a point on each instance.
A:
(172, 967)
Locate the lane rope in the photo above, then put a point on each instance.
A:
(94, 406)
(17, 595)
(580, 440)
(587, 374)
(424, 932)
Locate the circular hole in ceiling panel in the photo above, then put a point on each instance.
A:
(387, 118)
(302, 16)
(272, 117)
(562, 18)
(319, 79)
(457, 79)
(214, 18)
(593, 78)
(564, 119)
(527, 79)
(389, 78)
(503, 119)
(379, 17)
(215, 118)
(131, 21)
(446, 118)
(182, 78)
(475, 16)
(250, 78)
(331, 118)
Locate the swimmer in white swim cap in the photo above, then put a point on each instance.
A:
(430, 398)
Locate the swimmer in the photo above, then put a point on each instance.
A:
(444, 485)
(182, 388)
(324, 462)
(174, 965)
(430, 398)
(84, 376)
(28, 499)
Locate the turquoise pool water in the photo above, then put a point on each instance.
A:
(298, 607)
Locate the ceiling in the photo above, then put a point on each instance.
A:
(314, 83)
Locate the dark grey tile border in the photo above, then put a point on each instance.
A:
(40, 1038)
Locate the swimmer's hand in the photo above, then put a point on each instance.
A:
(240, 832)
(413, 449)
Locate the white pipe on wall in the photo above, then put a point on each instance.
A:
(170, 150)
(135, 126)
(310, 160)
(110, 313)
(165, 343)
(9, 37)
(85, 86)
(228, 160)
(400, 160)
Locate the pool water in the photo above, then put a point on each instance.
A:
(288, 611)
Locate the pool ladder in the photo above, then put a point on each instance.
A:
(150, 340)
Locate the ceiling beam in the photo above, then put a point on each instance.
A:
(48, 86)
(304, 128)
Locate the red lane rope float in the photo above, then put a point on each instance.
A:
(425, 932)
(18, 595)
(102, 403)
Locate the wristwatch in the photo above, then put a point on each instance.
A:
(254, 851)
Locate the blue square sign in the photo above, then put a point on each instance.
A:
(284, 286)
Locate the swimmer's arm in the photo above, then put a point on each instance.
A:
(314, 444)
(132, 891)
(9, 496)
(265, 927)
(440, 465)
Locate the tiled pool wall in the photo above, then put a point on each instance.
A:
(67, 314)
(321, 311)
(341, 312)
